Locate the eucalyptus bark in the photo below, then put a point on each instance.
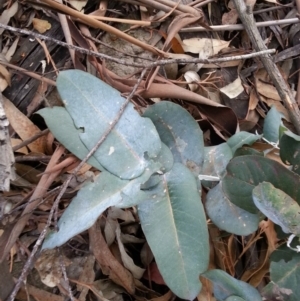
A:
(285, 93)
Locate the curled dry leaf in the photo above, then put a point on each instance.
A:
(191, 77)
(41, 25)
(136, 271)
(23, 126)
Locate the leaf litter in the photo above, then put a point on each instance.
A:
(237, 96)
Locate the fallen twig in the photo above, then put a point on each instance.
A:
(124, 62)
(240, 26)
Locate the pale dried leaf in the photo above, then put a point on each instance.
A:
(233, 89)
(211, 46)
(191, 77)
(12, 49)
(79, 5)
(7, 14)
(5, 74)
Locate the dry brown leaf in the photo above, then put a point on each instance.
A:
(230, 17)
(109, 265)
(23, 126)
(253, 100)
(37, 294)
(278, 105)
(41, 25)
(250, 121)
(264, 86)
(14, 142)
(49, 267)
(136, 271)
(146, 254)
(5, 74)
(87, 276)
(110, 230)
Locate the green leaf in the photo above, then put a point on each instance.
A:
(271, 125)
(240, 139)
(225, 286)
(284, 283)
(93, 106)
(279, 207)
(165, 158)
(216, 159)
(180, 132)
(289, 144)
(246, 151)
(228, 216)
(246, 172)
(234, 298)
(174, 224)
(62, 127)
(95, 197)
(166, 161)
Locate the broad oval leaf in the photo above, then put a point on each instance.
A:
(92, 199)
(174, 224)
(241, 138)
(93, 106)
(271, 125)
(180, 132)
(234, 298)
(289, 144)
(216, 159)
(228, 216)
(246, 172)
(62, 127)
(284, 283)
(279, 207)
(225, 286)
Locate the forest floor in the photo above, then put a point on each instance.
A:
(203, 55)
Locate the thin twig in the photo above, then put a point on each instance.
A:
(29, 73)
(64, 272)
(240, 26)
(150, 65)
(64, 187)
(246, 16)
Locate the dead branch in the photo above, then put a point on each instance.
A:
(246, 16)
